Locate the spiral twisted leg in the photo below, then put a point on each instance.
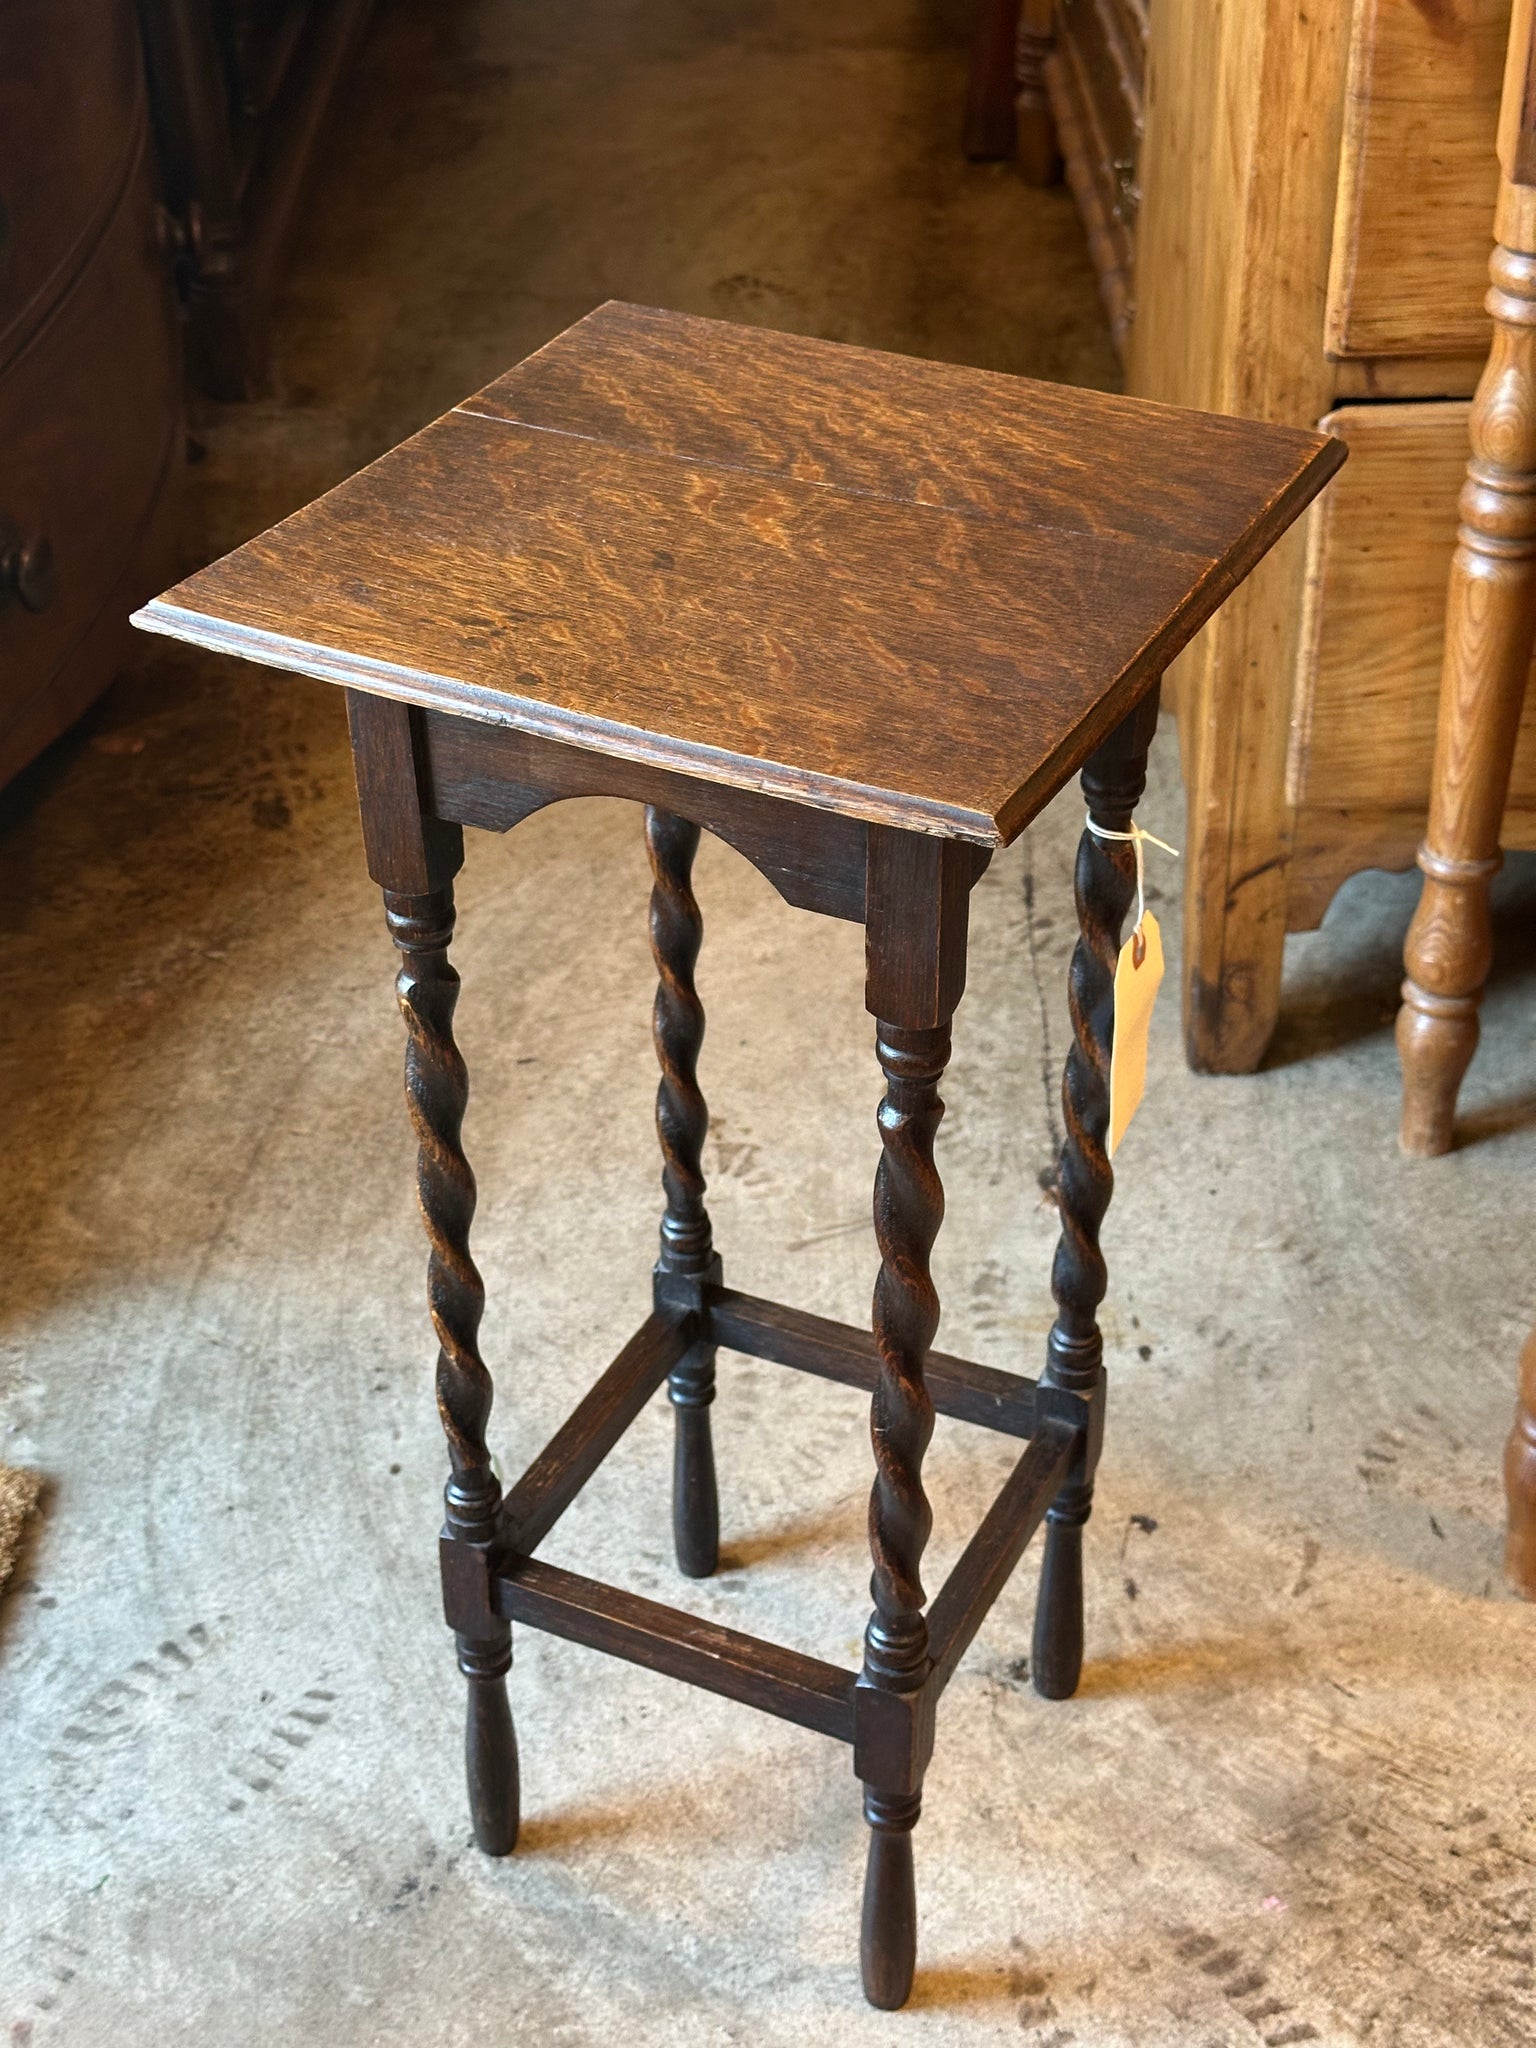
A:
(436, 1090)
(909, 1206)
(687, 1260)
(1105, 882)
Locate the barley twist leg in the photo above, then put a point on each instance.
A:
(1113, 781)
(436, 1089)
(909, 1207)
(687, 1259)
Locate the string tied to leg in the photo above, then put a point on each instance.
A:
(1138, 837)
(1138, 976)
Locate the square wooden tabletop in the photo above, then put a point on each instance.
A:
(910, 592)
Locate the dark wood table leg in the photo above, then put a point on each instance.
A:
(415, 857)
(436, 1090)
(1113, 781)
(682, 1122)
(916, 932)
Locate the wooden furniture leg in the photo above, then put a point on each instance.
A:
(1038, 145)
(916, 934)
(989, 108)
(436, 1089)
(818, 753)
(1105, 883)
(1007, 109)
(1520, 1480)
(414, 857)
(1489, 629)
(688, 1262)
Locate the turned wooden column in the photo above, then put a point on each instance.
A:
(414, 856)
(1490, 625)
(1105, 881)
(1007, 109)
(437, 1090)
(915, 931)
(1039, 148)
(1520, 1479)
(687, 1261)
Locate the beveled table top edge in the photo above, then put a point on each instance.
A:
(432, 692)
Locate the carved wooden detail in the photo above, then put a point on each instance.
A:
(436, 1091)
(1490, 628)
(1105, 883)
(682, 1124)
(611, 494)
(909, 1207)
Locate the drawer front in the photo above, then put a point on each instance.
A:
(72, 104)
(1381, 540)
(1413, 223)
(89, 414)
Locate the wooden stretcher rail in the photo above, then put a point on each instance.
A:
(579, 1446)
(997, 1546)
(723, 1660)
(837, 1351)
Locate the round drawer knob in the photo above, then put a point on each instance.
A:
(26, 569)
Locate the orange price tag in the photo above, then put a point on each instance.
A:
(1138, 976)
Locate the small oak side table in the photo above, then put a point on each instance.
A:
(862, 617)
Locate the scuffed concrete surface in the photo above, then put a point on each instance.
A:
(1294, 1800)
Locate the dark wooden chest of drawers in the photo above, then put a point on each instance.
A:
(90, 369)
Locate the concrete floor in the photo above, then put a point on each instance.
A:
(1294, 1800)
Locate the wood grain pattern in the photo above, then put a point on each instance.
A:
(1337, 841)
(723, 1660)
(494, 776)
(1244, 106)
(1417, 177)
(1490, 634)
(913, 896)
(751, 557)
(1380, 550)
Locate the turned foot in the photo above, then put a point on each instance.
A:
(1056, 1658)
(695, 1498)
(490, 1746)
(1436, 1038)
(1520, 1480)
(888, 1936)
